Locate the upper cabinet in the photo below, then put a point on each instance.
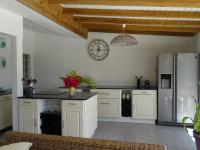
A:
(144, 104)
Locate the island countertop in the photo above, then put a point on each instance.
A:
(62, 96)
(5, 92)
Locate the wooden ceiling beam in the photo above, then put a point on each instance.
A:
(133, 13)
(143, 32)
(158, 3)
(142, 28)
(120, 21)
(55, 13)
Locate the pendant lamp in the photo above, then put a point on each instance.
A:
(123, 39)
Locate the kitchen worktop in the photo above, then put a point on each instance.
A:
(118, 87)
(126, 87)
(62, 96)
(5, 92)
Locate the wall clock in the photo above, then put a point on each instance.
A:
(98, 49)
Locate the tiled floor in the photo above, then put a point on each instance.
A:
(175, 138)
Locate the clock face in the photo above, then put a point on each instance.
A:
(98, 49)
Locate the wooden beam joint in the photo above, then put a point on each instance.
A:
(55, 13)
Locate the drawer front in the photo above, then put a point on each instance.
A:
(5, 97)
(109, 108)
(144, 92)
(28, 102)
(107, 93)
(72, 104)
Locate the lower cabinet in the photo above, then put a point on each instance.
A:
(109, 102)
(27, 119)
(144, 104)
(72, 123)
(109, 107)
(29, 115)
(79, 118)
(5, 111)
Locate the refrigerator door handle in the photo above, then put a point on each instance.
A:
(174, 98)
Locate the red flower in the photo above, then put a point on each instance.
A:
(71, 81)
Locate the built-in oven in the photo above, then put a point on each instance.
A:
(126, 103)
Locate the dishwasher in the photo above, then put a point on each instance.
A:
(126, 103)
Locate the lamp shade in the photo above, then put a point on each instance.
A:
(124, 40)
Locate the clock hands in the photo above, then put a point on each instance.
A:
(98, 49)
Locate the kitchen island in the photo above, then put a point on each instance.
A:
(78, 112)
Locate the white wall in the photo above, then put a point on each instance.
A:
(12, 24)
(5, 73)
(28, 41)
(54, 56)
(28, 46)
(197, 42)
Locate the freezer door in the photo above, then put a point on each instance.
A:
(186, 84)
(165, 107)
(165, 88)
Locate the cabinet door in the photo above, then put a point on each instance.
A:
(71, 123)
(109, 108)
(27, 119)
(144, 106)
(5, 114)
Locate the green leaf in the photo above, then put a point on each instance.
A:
(62, 78)
(73, 73)
(88, 81)
(197, 119)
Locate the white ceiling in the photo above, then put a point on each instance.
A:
(132, 7)
(34, 21)
(146, 18)
(183, 9)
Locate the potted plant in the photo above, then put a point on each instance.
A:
(73, 79)
(196, 124)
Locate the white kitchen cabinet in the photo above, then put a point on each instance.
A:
(144, 104)
(5, 111)
(109, 102)
(79, 118)
(109, 108)
(29, 115)
(72, 123)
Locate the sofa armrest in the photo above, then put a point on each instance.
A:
(52, 142)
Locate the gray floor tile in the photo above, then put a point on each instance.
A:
(175, 138)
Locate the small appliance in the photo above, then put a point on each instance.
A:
(126, 103)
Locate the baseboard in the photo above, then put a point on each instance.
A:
(126, 119)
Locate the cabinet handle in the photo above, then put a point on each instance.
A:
(6, 97)
(27, 102)
(62, 124)
(3, 100)
(35, 124)
(71, 103)
(144, 92)
(104, 93)
(105, 103)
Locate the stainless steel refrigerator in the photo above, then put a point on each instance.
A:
(178, 76)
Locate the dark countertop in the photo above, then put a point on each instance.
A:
(126, 87)
(62, 96)
(119, 87)
(5, 92)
